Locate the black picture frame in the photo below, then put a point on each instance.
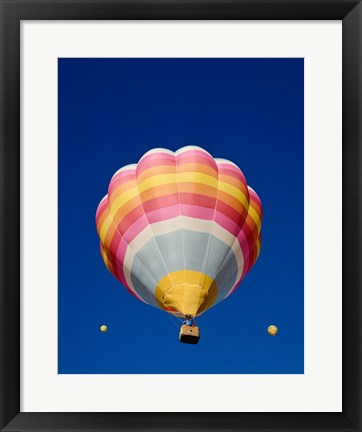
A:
(12, 12)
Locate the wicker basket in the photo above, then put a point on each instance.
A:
(189, 334)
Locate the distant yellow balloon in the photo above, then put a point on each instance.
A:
(272, 330)
(103, 328)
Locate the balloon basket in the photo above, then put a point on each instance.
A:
(189, 334)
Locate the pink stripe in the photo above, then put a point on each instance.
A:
(117, 266)
(134, 229)
(194, 152)
(152, 217)
(197, 212)
(119, 187)
(244, 245)
(155, 156)
(196, 156)
(160, 203)
(114, 242)
(145, 165)
(230, 212)
(232, 171)
(198, 160)
(227, 223)
(131, 172)
(166, 213)
(255, 198)
(121, 251)
(229, 166)
(246, 268)
(101, 209)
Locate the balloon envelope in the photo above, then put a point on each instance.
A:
(272, 330)
(180, 230)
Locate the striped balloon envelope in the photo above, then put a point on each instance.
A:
(180, 230)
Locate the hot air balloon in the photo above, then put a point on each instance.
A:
(180, 230)
(272, 330)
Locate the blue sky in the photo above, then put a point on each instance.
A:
(111, 111)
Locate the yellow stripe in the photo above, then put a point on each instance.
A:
(125, 185)
(255, 216)
(106, 224)
(186, 177)
(197, 177)
(235, 192)
(122, 199)
(159, 180)
(105, 257)
(257, 248)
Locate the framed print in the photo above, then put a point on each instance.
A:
(180, 215)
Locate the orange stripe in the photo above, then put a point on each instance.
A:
(252, 226)
(193, 188)
(116, 190)
(197, 167)
(232, 202)
(166, 189)
(149, 194)
(101, 219)
(109, 236)
(156, 170)
(234, 182)
(255, 205)
(127, 208)
(155, 160)
(164, 169)
(197, 188)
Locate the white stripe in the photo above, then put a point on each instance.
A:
(225, 162)
(180, 222)
(125, 168)
(190, 148)
(127, 273)
(172, 225)
(143, 238)
(157, 150)
(104, 198)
